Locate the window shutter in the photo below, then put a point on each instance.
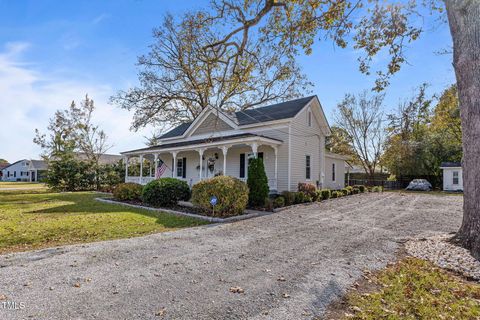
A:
(260, 155)
(242, 165)
(184, 168)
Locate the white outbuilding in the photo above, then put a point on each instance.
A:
(452, 176)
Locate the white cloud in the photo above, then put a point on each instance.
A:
(100, 18)
(29, 97)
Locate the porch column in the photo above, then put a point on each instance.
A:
(155, 165)
(225, 150)
(141, 168)
(254, 149)
(126, 168)
(200, 161)
(275, 149)
(174, 155)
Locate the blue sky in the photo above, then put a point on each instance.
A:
(52, 52)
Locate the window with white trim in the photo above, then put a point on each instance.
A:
(455, 177)
(333, 171)
(309, 118)
(308, 169)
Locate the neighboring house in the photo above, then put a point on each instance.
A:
(104, 158)
(37, 170)
(24, 170)
(289, 137)
(452, 176)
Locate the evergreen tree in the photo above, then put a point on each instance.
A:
(257, 183)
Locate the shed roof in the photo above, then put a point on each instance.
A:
(451, 165)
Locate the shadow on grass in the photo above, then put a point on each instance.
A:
(84, 203)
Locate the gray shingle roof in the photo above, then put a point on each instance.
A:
(279, 111)
(177, 131)
(38, 164)
(451, 164)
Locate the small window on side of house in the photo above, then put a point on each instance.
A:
(333, 171)
(308, 169)
(309, 119)
(455, 177)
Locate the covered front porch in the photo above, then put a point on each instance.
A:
(193, 161)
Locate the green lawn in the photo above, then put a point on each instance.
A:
(416, 289)
(38, 218)
(9, 185)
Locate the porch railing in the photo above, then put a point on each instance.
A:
(141, 180)
(272, 183)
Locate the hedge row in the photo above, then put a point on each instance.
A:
(164, 192)
(231, 193)
(309, 193)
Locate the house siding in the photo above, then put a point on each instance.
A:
(305, 140)
(280, 133)
(211, 124)
(339, 182)
(18, 171)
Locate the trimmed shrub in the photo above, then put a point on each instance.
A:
(279, 202)
(326, 193)
(289, 197)
(257, 183)
(361, 188)
(319, 195)
(128, 191)
(299, 197)
(349, 188)
(269, 206)
(355, 191)
(165, 192)
(345, 191)
(307, 188)
(377, 189)
(334, 194)
(231, 193)
(308, 198)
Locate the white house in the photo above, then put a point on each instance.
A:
(288, 136)
(24, 170)
(452, 176)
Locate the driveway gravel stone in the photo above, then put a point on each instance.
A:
(288, 265)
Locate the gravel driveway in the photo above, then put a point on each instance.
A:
(290, 264)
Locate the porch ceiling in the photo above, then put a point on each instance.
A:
(208, 142)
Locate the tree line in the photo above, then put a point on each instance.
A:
(411, 140)
(73, 148)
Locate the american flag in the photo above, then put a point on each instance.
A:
(160, 169)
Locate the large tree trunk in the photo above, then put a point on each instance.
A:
(464, 21)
